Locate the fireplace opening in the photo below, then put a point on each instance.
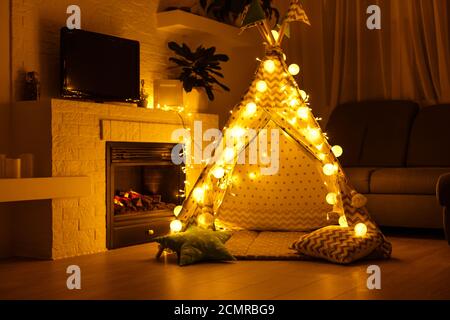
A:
(143, 188)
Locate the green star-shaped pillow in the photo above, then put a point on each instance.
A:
(197, 244)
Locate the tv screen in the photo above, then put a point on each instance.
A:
(99, 67)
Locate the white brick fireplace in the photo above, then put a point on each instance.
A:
(79, 132)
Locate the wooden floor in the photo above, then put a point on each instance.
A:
(420, 269)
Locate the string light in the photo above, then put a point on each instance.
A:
(304, 95)
(261, 86)
(329, 169)
(294, 69)
(313, 134)
(237, 132)
(269, 66)
(331, 198)
(294, 102)
(229, 154)
(360, 230)
(218, 173)
(176, 226)
(250, 109)
(199, 194)
(252, 175)
(303, 113)
(337, 151)
(177, 210)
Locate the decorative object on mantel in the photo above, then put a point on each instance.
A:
(233, 11)
(2, 165)
(168, 94)
(32, 87)
(12, 169)
(27, 165)
(143, 101)
(199, 68)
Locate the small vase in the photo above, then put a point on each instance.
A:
(196, 101)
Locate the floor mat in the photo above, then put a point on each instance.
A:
(252, 245)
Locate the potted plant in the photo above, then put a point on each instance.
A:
(232, 11)
(199, 73)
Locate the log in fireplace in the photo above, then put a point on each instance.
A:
(143, 188)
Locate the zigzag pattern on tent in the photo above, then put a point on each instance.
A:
(296, 13)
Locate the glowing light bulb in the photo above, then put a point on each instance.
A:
(199, 194)
(294, 102)
(252, 175)
(343, 222)
(275, 34)
(313, 134)
(176, 226)
(237, 132)
(360, 230)
(250, 109)
(177, 210)
(329, 169)
(304, 95)
(331, 198)
(270, 66)
(205, 219)
(261, 86)
(337, 151)
(294, 69)
(321, 156)
(218, 172)
(229, 154)
(303, 113)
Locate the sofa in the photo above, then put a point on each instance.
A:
(397, 154)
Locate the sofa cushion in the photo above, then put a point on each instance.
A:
(430, 138)
(373, 133)
(421, 181)
(360, 178)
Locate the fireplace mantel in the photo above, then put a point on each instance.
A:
(69, 139)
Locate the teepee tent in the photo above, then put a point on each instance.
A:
(275, 169)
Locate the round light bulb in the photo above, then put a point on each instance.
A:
(177, 210)
(294, 102)
(269, 66)
(237, 132)
(331, 198)
(228, 154)
(337, 151)
(303, 113)
(198, 194)
(303, 95)
(343, 222)
(294, 69)
(205, 219)
(313, 134)
(275, 34)
(218, 172)
(329, 169)
(360, 230)
(250, 109)
(252, 176)
(261, 86)
(176, 226)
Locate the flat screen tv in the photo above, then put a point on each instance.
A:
(99, 67)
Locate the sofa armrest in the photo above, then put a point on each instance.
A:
(443, 190)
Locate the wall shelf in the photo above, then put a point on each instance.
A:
(12, 190)
(185, 23)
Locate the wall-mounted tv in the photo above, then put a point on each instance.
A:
(99, 67)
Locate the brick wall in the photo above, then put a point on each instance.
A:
(80, 131)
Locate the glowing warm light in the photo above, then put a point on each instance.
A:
(321, 156)
(313, 134)
(294, 69)
(205, 219)
(269, 66)
(199, 194)
(360, 230)
(218, 172)
(303, 113)
(237, 132)
(250, 109)
(304, 95)
(275, 34)
(332, 198)
(337, 151)
(229, 154)
(252, 176)
(261, 86)
(294, 102)
(343, 222)
(329, 169)
(176, 226)
(177, 210)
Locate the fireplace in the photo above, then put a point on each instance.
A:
(143, 188)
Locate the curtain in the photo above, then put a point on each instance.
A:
(342, 60)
